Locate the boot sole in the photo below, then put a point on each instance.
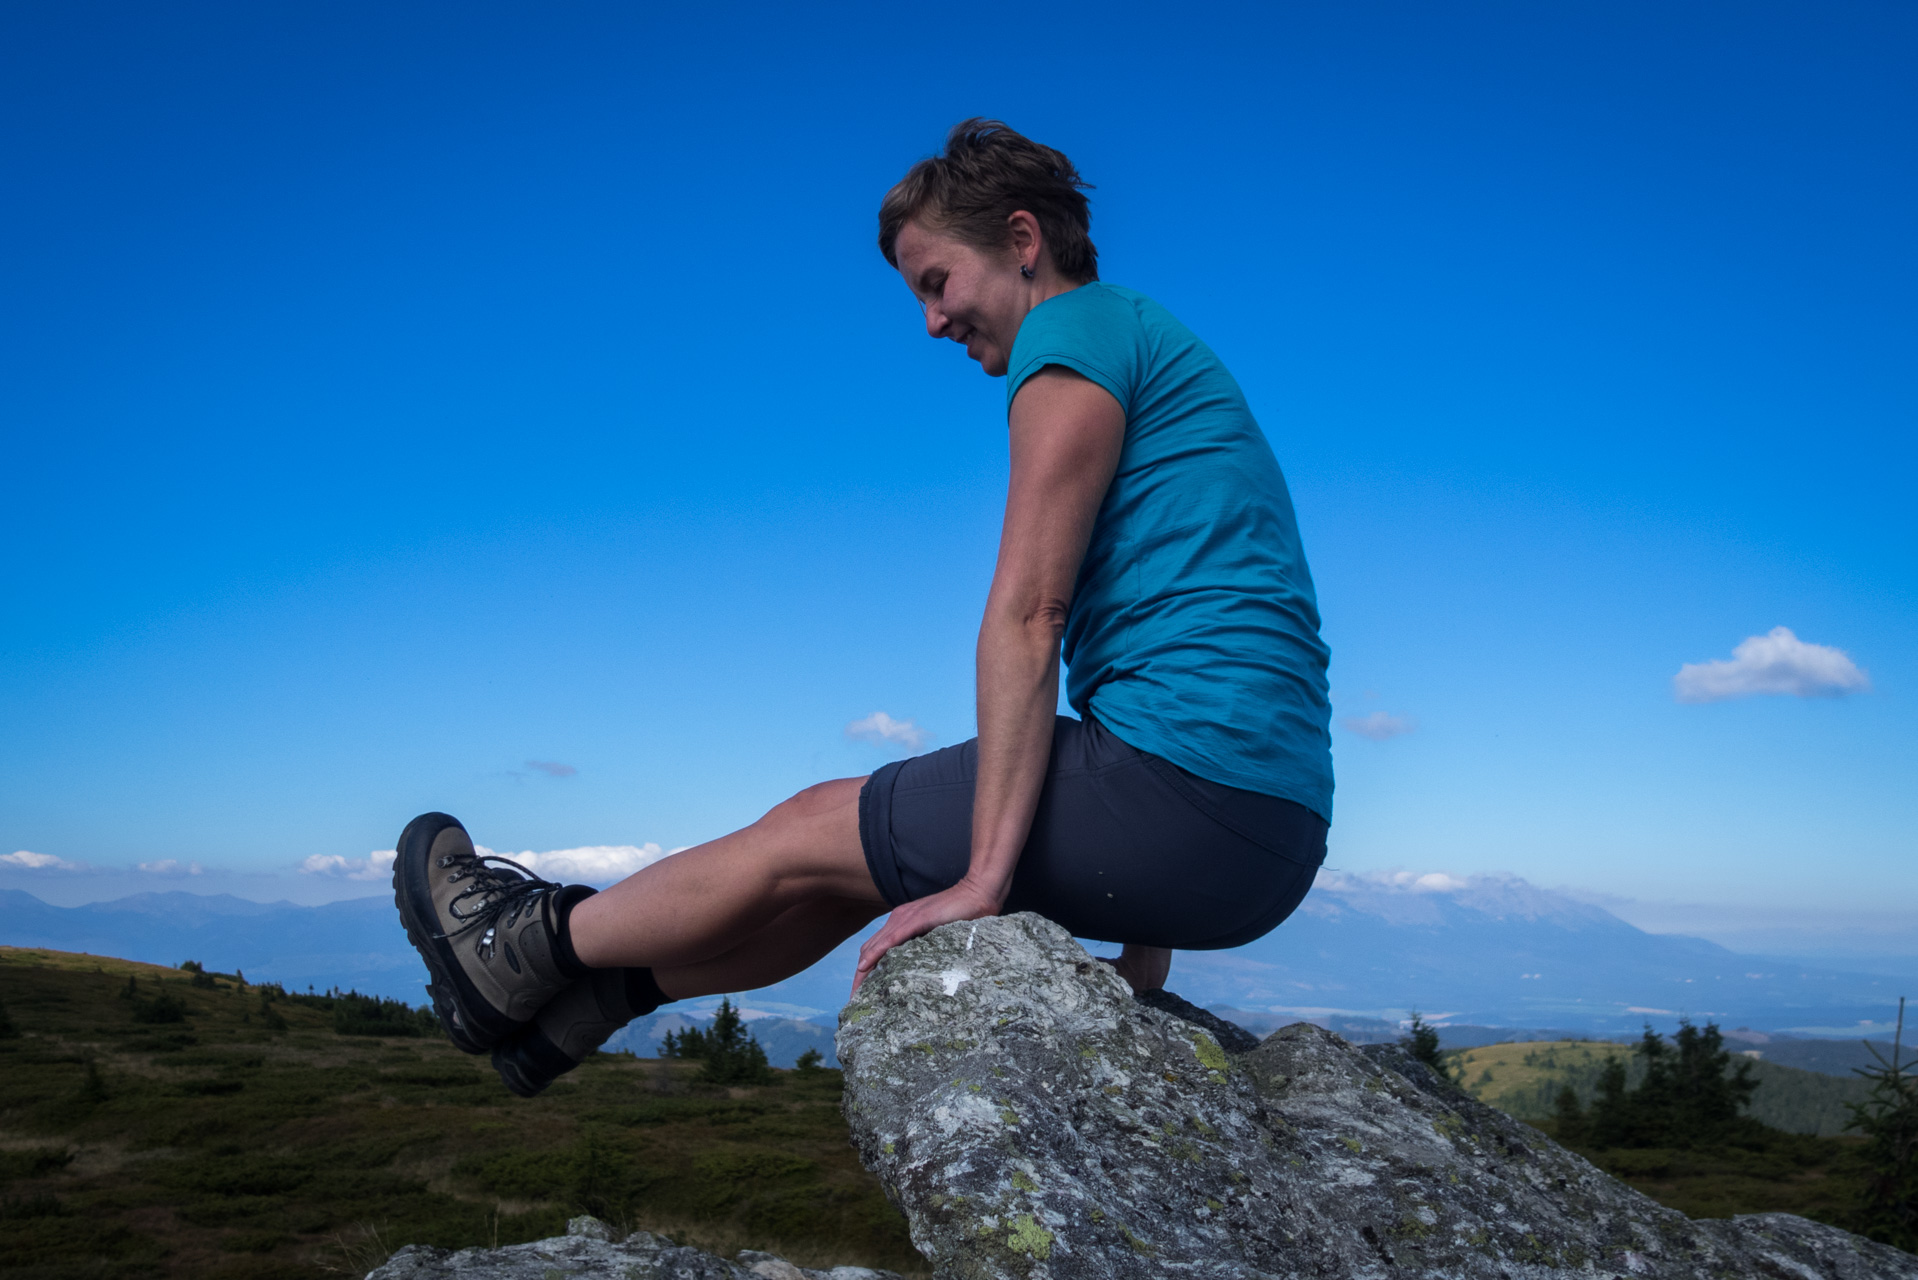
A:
(469, 1020)
(528, 1063)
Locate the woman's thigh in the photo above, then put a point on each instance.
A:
(1125, 847)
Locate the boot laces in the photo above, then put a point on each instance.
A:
(502, 898)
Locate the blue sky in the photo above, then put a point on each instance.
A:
(394, 396)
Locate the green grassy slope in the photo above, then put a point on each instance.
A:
(243, 1141)
(1790, 1170)
(1524, 1079)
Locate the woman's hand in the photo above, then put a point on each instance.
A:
(964, 901)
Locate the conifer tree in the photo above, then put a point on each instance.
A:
(1570, 1116)
(1689, 1095)
(1421, 1041)
(733, 1055)
(1888, 1118)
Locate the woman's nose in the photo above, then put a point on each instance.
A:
(936, 322)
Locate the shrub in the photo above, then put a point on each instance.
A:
(1889, 1121)
(162, 1008)
(358, 1015)
(808, 1062)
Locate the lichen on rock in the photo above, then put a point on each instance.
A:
(1035, 1120)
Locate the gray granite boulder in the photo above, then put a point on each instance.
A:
(592, 1250)
(1032, 1119)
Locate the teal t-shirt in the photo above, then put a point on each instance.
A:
(1194, 630)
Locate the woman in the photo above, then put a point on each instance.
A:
(1148, 530)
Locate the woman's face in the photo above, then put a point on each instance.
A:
(974, 296)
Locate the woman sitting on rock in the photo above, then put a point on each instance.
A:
(1148, 530)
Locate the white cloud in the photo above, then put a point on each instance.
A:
(23, 860)
(552, 768)
(880, 727)
(1776, 662)
(1405, 881)
(171, 867)
(590, 864)
(1379, 726)
(377, 865)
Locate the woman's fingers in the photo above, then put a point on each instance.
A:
(923, 915)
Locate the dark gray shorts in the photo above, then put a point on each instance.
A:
(1125, 847)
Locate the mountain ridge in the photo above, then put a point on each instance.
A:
(1492, 951)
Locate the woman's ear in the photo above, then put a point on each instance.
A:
(1027, 242)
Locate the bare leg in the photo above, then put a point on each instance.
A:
(701, 904)
(789, 944)
(1143, 968)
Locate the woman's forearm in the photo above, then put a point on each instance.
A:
(1018, 693)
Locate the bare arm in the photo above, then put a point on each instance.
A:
(1066, 435)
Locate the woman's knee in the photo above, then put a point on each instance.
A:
(819, 799)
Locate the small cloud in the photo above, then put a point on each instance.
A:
(23, 860)
(1402, 881)
(170, 867)
(590, 864)
(880, 727)
(1777, 662)
(1379, 726)
(377, 865)
(552, 768)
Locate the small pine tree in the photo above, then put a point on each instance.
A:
(688, 1044)
(729, 1050)
(733, 1056)
(808, 1063)
(1421, 1040)
(1612, 1122)
(1570, 1116)
(1888, 1118)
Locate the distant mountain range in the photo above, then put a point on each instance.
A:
(1496, 951)
(1492, 956)
(356, 944)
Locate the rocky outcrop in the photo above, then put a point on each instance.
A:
(1033, 1120)
(592, 1250)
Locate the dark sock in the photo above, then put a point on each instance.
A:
(563, 903)
(642, 992)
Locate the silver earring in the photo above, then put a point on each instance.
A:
(1026, 272)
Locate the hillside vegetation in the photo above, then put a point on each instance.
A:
(1524, 1080)
(160, 1122)
(1764, 1167)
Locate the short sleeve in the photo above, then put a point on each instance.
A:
(1089, 330)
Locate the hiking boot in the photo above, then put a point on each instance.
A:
(488, 929)
(574, 1023)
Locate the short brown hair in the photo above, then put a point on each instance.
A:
(987, 173)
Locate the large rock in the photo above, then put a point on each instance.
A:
(1033, 1120)
(592, 1250)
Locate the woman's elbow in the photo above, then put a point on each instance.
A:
(1046, 617)
(1040, 622)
